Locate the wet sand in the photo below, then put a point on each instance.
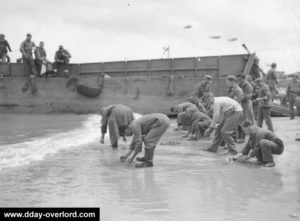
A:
(186, 183)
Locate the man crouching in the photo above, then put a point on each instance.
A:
(148, 129)
(263, 144)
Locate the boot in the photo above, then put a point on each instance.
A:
(149, 153)
(144, 158)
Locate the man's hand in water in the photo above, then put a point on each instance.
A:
(102, 139)
(130, 159)
(243, 158)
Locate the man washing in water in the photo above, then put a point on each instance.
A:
(148, 129)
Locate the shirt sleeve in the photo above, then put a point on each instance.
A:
(104, 122)
(247, 147)
(137, 137)
(22, 49)
(216, 115)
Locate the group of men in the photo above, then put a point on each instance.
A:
(35, 57)
(232, 118)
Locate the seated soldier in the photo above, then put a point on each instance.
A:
(148, 129)
(62, 60)
(262, 143)
(179, 109)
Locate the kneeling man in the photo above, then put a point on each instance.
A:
(117, 117)
(263, 144)
(148, 129)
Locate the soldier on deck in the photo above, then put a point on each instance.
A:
(117, 117)
(62, 59)
(272, 80)
(227, 114)
(40, 57)
(202, 87)
(292, 92)
(262, 143)
(246, 104)
(264, 104)
(4, 45)
(26, 49)
(148, 129)
(179, 109)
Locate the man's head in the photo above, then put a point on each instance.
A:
(61, 48)
(256, 60)
(42, 44)
(193, 100)
(173, 109)
(128, 131)
(241, 78)
(28, 37)
(248, 127)
(208, 79)
(259, 82)
(231, 81)
(2, 36)
(273, 65)
(208, 99)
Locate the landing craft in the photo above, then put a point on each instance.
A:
(232, 39)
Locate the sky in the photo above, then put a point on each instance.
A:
(117, 30)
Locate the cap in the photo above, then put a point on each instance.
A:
(273, 65)
(231, 78)
(207, 77)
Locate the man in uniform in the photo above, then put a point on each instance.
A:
(202, 87)
(26, 49)
(148, 129)
(264, 104)
(182, 121)
(255, 71)
(117, 117)
(40, 57)
(228, 114)
(246, 104)
(62, 60)
(198, 124)
(263, 144)
(3, 48)
(272, 80)
(292, 92)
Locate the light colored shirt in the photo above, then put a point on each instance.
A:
(221, 106)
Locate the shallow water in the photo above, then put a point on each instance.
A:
(56, 160)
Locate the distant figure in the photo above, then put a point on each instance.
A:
(293, 92)
(246, 104)
(116, 118)
(148, 129)
(262, 143)
(234, 92)
(272, 80)
(26, 49)
(62, 60)
(40, 58)
(255, 71)
(202, 87)
(228, 113)
(264, 104)
(4, 47)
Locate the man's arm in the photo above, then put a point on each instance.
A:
(137, 140)
(7, 45)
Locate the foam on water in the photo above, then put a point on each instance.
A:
(23, 153)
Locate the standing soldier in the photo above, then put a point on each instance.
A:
(292, 92)
(228, 114)
(26, 49)
(272, 80)
(117, 118)
(3, 48)
(234, 92)
(246, 104)
(40, 57)
(148, 129)
(255, 71)
(264, 104)
(202, 87)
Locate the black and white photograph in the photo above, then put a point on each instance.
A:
(150, 110)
